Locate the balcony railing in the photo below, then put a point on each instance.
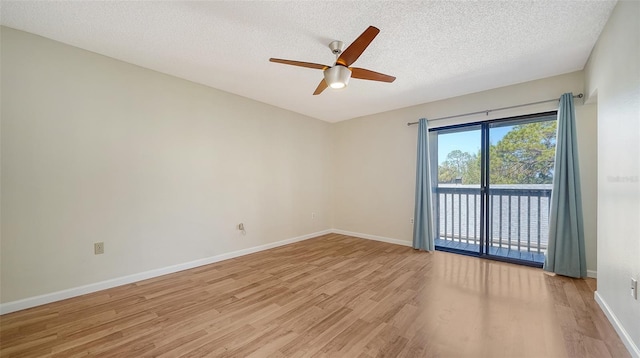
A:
(518, 216)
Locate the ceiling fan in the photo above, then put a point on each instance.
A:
(338, 75)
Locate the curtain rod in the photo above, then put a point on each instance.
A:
(495, 109)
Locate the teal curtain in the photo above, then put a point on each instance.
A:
(565, 254)
(423, 227)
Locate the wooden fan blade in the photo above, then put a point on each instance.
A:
(299, 63)
(321, 87)
(364, 74)
(351, 54)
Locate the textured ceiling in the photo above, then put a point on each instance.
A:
(435, 49)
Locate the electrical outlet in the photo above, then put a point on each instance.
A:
(98, 248)
(634, 288)
(411, 220)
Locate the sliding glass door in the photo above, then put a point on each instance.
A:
(520, 177)
(458, 200)
(494, 188)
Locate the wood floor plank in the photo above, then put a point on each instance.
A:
(331, 296)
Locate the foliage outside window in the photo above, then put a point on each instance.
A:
(524, 155)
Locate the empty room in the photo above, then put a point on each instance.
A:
(320, 178)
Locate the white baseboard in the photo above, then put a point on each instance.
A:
(624, 335)
(592, 273)
(372, 237)
(103, 285)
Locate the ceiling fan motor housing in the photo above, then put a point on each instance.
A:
(337, 76)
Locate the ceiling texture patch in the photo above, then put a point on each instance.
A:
(435, 50)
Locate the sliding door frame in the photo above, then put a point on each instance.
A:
(485, 184)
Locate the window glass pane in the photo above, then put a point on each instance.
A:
(522, 153)
(459, 156)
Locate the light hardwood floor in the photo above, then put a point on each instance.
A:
(333, 296)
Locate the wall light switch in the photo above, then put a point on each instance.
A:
(634, 288)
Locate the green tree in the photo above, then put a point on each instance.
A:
(454, 166)
(472, 172)
(525, 155)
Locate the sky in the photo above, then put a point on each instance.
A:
(467, 141)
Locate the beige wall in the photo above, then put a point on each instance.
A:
(613, 81)
(159, 169)
(375, 156)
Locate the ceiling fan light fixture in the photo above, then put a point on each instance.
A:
(337, 76)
